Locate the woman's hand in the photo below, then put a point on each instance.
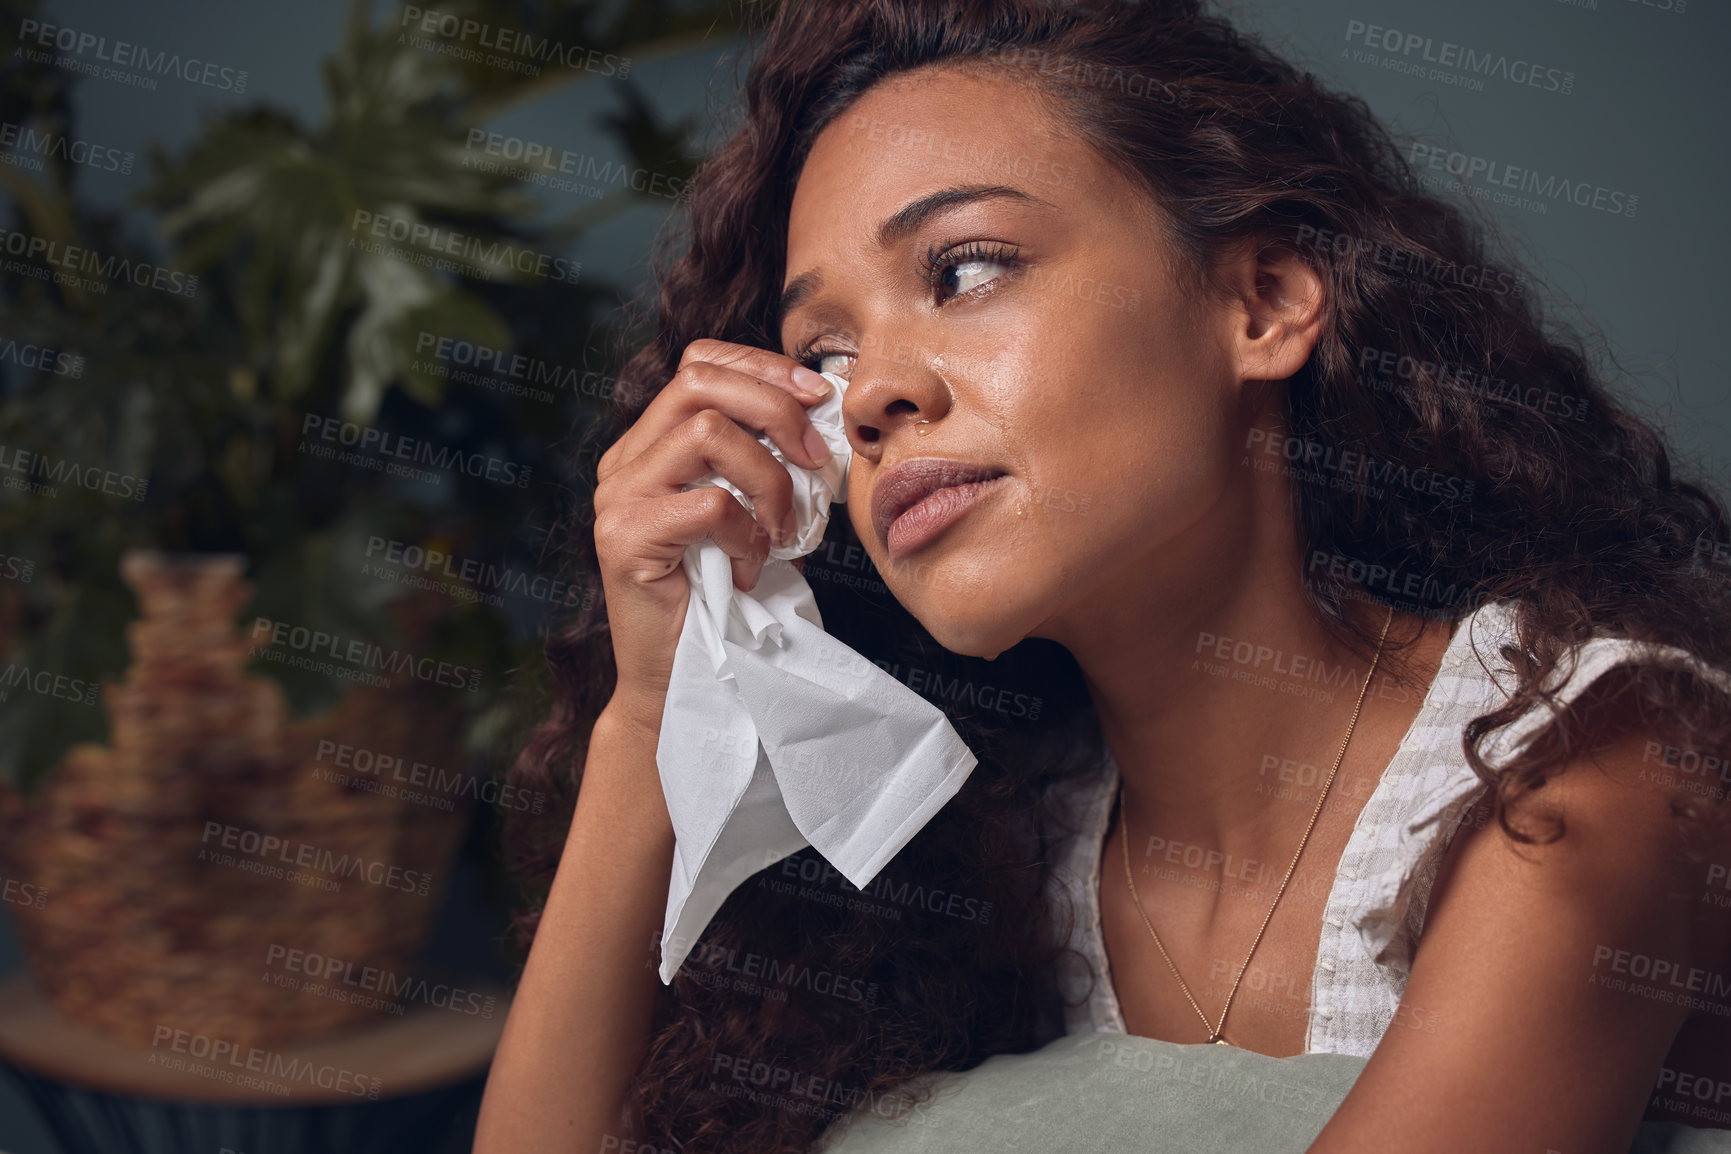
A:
(581, 1018)
(699, 423)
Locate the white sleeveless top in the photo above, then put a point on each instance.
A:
(1375, 910)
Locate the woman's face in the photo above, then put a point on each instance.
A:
(1055, 348)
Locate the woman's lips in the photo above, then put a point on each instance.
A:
(930, 516)
(914, 501)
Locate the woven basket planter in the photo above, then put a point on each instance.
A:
(183, 862)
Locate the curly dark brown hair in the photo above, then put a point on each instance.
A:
(1574, 515)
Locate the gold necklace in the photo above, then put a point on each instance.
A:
(1214, 1031)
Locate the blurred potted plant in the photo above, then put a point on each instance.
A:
(247, 583)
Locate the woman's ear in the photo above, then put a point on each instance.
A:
(1274, 311)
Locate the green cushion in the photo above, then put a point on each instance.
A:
(1107, 1093)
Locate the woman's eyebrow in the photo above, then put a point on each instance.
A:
(900, 224)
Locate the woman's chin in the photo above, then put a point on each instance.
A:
(974, 637)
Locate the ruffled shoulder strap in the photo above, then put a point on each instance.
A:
(1376, 909)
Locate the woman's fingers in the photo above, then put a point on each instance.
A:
(767, 402)
(709, 442)
(646, 539)
(704, 421)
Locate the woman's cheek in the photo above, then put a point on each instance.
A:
(1158, 490)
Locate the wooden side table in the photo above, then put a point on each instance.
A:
(409, 1084)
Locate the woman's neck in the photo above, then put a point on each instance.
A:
(1215, 705)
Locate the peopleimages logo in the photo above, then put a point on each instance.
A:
(1350, 469)
(393, 989)
(58, 146)
(800, 1092)
(1413, 587)
(356, 655)
(429, 243)
(925, 148)
(373, 447)
(1088, 73)
(747, 964)
(41, 474)
(270, 849)
(1386, 366)
(497, 45)
(231, 1062)
(490, 363)
(46, 683)
(1422, 267)
(77, 46)
(72, 259)
(821, 873)
(1448, 55)
(931, 684)
(371, 766)
(469, 571)
(29, 356)
(22, 893)
(538, 163)
(1497, 176)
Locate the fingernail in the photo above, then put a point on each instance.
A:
(816, 446)
(811, 382)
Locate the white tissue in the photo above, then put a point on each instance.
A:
(776, 735)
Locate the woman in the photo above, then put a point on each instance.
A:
(1257, 464)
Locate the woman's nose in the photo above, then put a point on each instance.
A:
(883, 396)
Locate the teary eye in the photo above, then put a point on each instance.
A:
(966, 262)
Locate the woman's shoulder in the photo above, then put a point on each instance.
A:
(1620, 850)
(1625, 792)
(1432, 806)
(1552, 975)
(1553, 972)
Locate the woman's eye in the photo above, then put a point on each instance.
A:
(958, 271)
(967, 267)
(821, 360)
(965, 274)
(823, 364)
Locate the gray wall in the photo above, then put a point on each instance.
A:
(1645, 117)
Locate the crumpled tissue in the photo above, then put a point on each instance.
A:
(777, 736)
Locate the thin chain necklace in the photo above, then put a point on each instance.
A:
(1214, 1030)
